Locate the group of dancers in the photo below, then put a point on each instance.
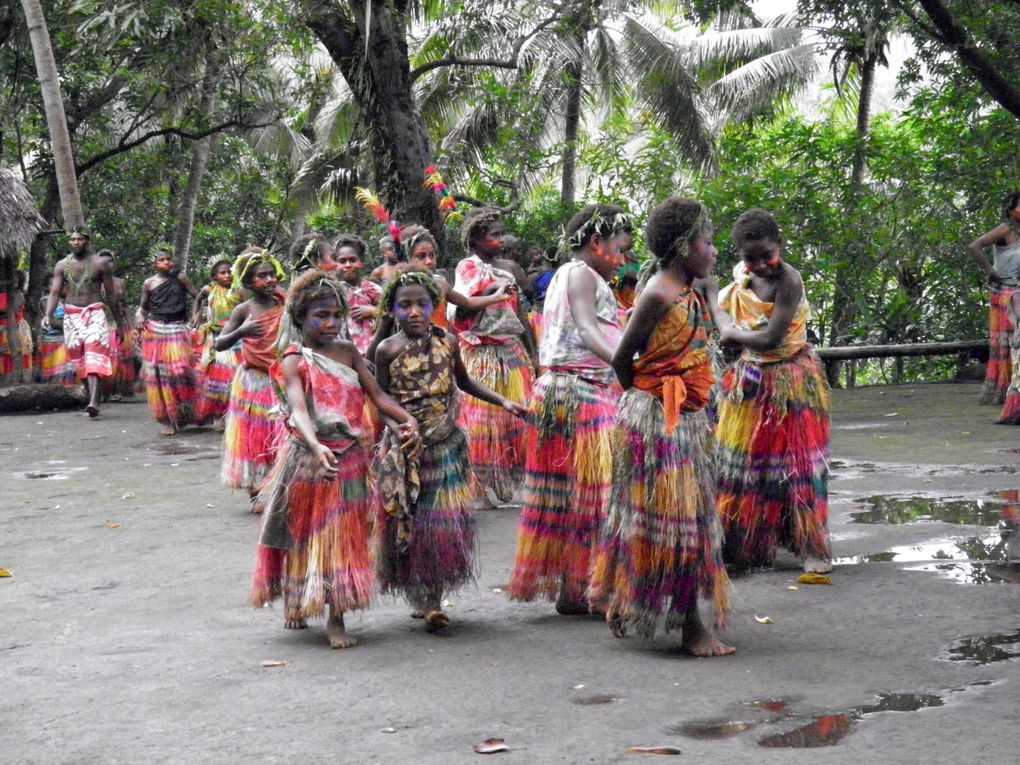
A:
(369, 422)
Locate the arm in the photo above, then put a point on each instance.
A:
(383, 329)
(709, 288)
(300, 417)
(648, 311)
(191, 288)
(143, 304)
(407, 429)
(474, 304)
(56, 285)
(200, 300)
(476, 389)
(237, 326)
(581, 287)
(788, 295)
(977, 249)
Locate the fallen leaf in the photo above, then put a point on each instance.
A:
(128, 495)
(274, 663)
(112, 525)
(208, 505)
(388, 730)
(653, 750)
(893, 414)
(763, 619)
(793, 587)
(814, 579)
(4, 573)
(578, 687)
(491, 746)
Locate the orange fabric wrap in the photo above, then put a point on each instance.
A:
(260, 352)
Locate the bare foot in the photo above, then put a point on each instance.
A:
(218, 425)
(436, 621)
(698, 641)
(295, 624)
(566, 606)
(92, 410)
(337, 634)
(616, 624)
(169, 430)
(254, 506)
(816, 566)
(417, 613)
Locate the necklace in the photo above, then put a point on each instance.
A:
(78, 283)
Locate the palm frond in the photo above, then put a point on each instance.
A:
(756, 87)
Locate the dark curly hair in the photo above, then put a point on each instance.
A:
(755, 225)
(412, 235)
(311, 286)
(307, 251)
(353, 241)
(215, 266)
(1009, 203)
(410, 277)
(477, 221)
(671, 228)
(602, 219)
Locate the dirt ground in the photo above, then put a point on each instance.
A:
(125, 634)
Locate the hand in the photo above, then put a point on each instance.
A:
(993, 279)
(326, 459)
(249, 328)
(363, 312)
(47, 323)
(726, 335)
(410, 438)
(505, 291)
(518, 410)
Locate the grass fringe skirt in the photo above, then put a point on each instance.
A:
(568, 477)
(773, 468)
(169, 372)
(250, 434)
(496, 437)
(53, 364)
(314, 549)
(998, 373)
(216, 376)
(441, 555)
(660, 544)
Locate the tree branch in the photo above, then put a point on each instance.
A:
(955, 35)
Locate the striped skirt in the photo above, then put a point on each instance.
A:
(52, 362)
(216, 375)
(441, 551)
(314, 549)
(496, 437)
(773, 469)
(567, 480)
(999, 370)
(168, 368)
(660, 544)
(250, 435)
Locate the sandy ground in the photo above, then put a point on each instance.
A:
(125, 634)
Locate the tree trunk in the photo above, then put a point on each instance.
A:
(847, 275)
(575, 92)
(199, 163)
(38, 256)
(56, 120)
(378, 74)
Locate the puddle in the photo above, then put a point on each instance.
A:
(986, 649)
(49, 475)
(898, 510)
(852, 469)
(712, 730)
(593, 700)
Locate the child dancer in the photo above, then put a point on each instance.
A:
(568, 470)
(12, 321)
(426, 542)
(312, 251)
(217, 300)
(661, 541)
(498, 350)
(169, 362)
(53, 365)
(249, 431)
(774, 414)
(314, 546)
(362, 295)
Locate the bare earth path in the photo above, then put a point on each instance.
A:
(125, 635)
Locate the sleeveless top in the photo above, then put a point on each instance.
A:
(562, 348)
(333, 396)
(1006, 262)
(751, 312)
(168, 302)
(221, 303)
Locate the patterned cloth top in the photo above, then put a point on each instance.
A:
(495, 324)
(1006, 262)
(222, 302)
(676, 365)
(361, 331)
(751, 312)
(562, 348)
(259, 352)
(333, 396)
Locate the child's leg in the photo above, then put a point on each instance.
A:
(335, 631)
(435, 618)
(698, 640)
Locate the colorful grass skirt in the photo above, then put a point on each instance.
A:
(7, 360)
(314, 550)
(773, 469)
(216, 374)
(567, 480)
(998, 373)
(496, 437)
(440, 553)
(53, 365)
(1010, 414)
(168, 369)
(250, 435)
(660, 544)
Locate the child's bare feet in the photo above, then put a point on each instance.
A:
(698, 641)
(816, 566)
(219, 425)
(616, 624)
(169, 430)
(436, 621)
(569, 606)
(295, 624)
(337, 634)
(93, 410)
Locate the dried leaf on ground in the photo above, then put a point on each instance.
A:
(814, 579)
(274, 663)
(763, 619)
(654, 750)
(4, 573)
(128, 495)
(112, 525)
(491, 746)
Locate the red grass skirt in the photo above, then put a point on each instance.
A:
(53, 364)
(998, 373)
(168, 368)
(440, 556)
(1010, 414)
(660, 544)
(567, 480)
(496, 437)
(216, 375)
(251, 435)
(314, 549)
(773, 470)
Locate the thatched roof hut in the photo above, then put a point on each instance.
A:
(20, 221)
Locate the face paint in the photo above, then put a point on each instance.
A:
(164, 263)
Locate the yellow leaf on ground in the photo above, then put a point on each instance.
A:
(814, 579)
(4, 573)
